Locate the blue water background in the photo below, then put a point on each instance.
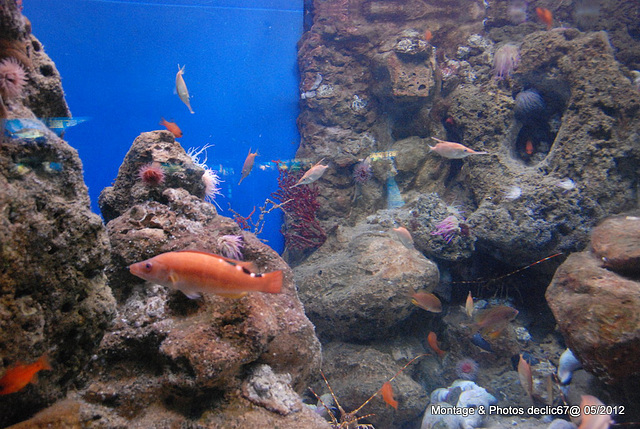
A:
(118, 61)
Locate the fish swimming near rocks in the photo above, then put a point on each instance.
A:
(404, 236)
(468, 306)
(432, 340)
(172, 127)
(313, 174)
(181, 88)
(194, 273)
(19, 375)
(452, 150)
(526, 377)
(593, 420)
(427, 301)
(248, 165)
(387, 394)
(493, 321)
(568, 363)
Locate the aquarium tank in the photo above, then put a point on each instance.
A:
(347, 214)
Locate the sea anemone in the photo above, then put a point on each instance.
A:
(529, 106)
(447, 228)
(362, 172)
(13, 78)
(231, 246)
(467, 369)
(506, 60)
(211, 182)
(151, 174)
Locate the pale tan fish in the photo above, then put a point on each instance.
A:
(591, 420)
(404, 236)
(248, 165)
(313, 174)
(181, 88)
(526, 377)
(452, 150)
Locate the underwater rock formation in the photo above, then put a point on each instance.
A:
(54, 297)
(605, 338)
(191, 357)
(358, 286)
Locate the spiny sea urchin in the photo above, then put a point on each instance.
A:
(13, 78)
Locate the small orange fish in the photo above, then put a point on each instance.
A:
(545, 16)
(194, 273)
(427, 301)
(528, 147)
(19, 375)
(248, 165)
(468, 306)
(171, 126)
(525, 376)
(590, 420)
(404, 236)
(432, 339)
(428, 36)
(313, 174)
(387, 395)
(493, 321)
(452, 150)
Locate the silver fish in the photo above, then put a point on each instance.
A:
(181, 88)
(313, 174)
(568, 364)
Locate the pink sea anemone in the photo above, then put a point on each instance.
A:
(467, 369)
(506, 60)
(211, 182)
(448, 228)
(151, 174)
(231, 246)
(13, 78)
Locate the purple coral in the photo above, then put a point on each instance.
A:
(447, 228)
(231, 246)
(506, 60)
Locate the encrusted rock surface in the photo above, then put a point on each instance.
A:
(54, 298)
(358, 286)
(616, 241)
(190, 357)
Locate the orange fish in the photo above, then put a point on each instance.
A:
(528, 147)
(171, 126)
(194, 273)
(493, 321)
(404, 236)
(525, 376)
(427, 301)
(545, 16)
(19, 375)
(452, 150)
(428, 36)
(387, 395)
(248, 165)
(593, 421)
(468, 306)
(432, 339)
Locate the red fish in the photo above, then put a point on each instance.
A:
(194, 273)
(528, 147)
(171, 126)
(19, 375)
(432, 339)
(452, 150)
(248, 165)
(387, 395)
(427, 301)
(428, 35)
(545, 16)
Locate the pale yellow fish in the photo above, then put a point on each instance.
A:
(469, 305)
(313, 174)
(404, 236)
(248, 165)
(181, 88)
(452, 150)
